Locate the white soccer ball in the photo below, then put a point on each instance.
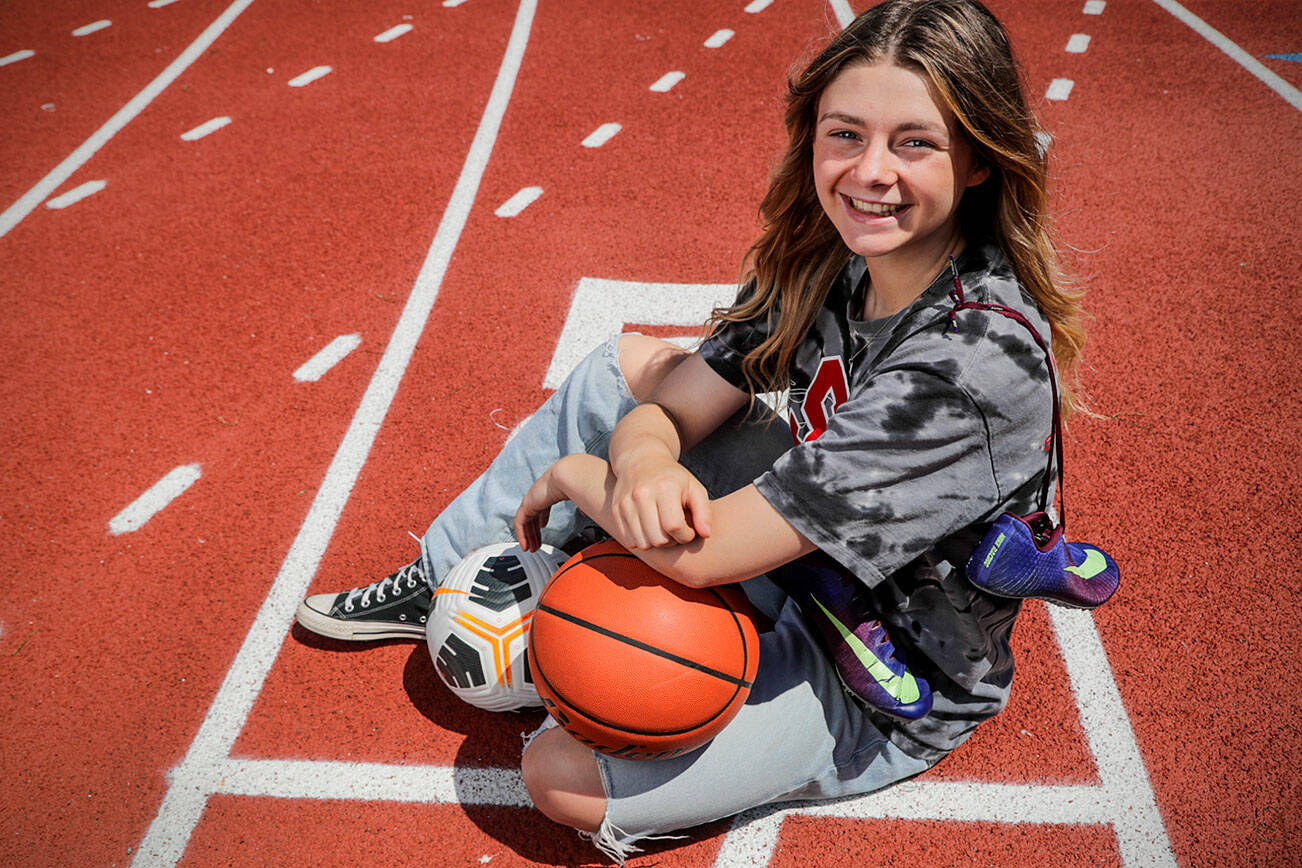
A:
(478, 627)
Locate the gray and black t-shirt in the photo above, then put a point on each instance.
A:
(910, 438)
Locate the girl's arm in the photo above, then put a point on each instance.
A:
(657, 501)
(748, 536)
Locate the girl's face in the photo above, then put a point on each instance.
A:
(890, 164)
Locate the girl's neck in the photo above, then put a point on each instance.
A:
(896, 280)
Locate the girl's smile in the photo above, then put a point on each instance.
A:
(890, 167)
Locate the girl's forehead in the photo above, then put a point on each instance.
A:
(883, 92)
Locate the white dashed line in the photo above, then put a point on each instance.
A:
(601, 135)
(17, 56)
(159, 4)
(1043, 141)
(92, 27)
(1094, 7)
(448, 4)
(1078, 43)
(517, 203)
(310, 76)
(205, 128)
(758, 5)
(393, 33)
(333, 353)
(666, 82)
(147, 505)
(76, 194)
(1059, 89)
(718, 38)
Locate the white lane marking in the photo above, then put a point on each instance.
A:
(1078, 43)
(332, 354)
(191, 783)
(1290, 94)
(205, 128)
(841, 9)
(601, 308)
(1094, 7)
(1043, 141)
(666, 82)
(159, 4)
(758, 5)
(306, 78)
(718, 38)
(37, 194)
(1127, 791)
(147, 505)
(328, 779)
(448, 4)
(1059, 89)
(517, 203)
(601, 135)
(17, 56)
(76, 194)
(393, 33)
(94, 26)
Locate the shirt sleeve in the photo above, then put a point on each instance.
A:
(903, 463)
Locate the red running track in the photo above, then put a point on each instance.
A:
(158, 322)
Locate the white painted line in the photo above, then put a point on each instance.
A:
(159, 4)
(841, 9)
(321, 779)
(601, 135)
(332, 354)
(517, 203)
(1094, 7)
(1140, 832)
(310, 76)
(198, 774)
(1043, 141)
(1290, 94)
(147, 505)
(666, 82)
(17, 56)
(92, 27)
(76, 194)
(448, 4)
(205, 128)
(758, 5)
(718, 38)
(1059, 89)
(393, 33)
(1078, 43)
(14, 214)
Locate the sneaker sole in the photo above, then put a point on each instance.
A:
(355, 631)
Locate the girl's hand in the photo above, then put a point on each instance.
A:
(534, 510)
(657, 502)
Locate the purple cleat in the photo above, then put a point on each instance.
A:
(858, 643)
(1028, 557)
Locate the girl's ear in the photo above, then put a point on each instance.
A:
(979, 175)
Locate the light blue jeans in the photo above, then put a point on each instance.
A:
(799, 736)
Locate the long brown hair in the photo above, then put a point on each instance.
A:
(963, 51)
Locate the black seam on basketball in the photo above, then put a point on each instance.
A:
(659, 652)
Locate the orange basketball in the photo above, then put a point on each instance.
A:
(634, 664)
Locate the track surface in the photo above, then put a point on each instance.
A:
(158, 322)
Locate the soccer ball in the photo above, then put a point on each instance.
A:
(478, 627)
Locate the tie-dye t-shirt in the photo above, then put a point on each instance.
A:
(910, 438)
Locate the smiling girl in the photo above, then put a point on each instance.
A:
(912, 169)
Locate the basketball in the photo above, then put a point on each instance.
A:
(635, 665)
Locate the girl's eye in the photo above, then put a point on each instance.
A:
(848, 135)
(919, 143)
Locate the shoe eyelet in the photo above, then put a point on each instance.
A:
(402, 617)
(380, 598)
(422, 619)
(348, 608)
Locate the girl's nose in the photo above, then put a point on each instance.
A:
(876, 166)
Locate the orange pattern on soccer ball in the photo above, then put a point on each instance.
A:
(499, 638)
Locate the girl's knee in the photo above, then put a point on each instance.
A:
(563, 780)
(645, 361)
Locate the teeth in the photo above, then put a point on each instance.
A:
(874, 208)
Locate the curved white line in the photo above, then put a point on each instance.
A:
(197, 776)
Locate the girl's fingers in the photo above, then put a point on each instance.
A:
(698, 502)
